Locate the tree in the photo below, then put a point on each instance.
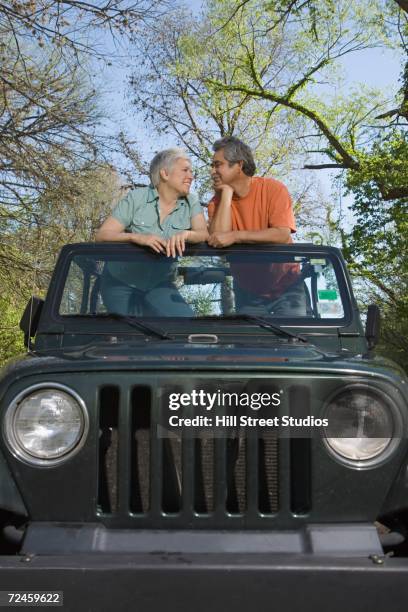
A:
(61, 218)
(48, 107)
(74, 26)
(31, 251)
(377, 251)
(355, 132)
(48, 110)
(169, 90)
(11, 338)
(323, 34)
(47, 114)
(54, 185)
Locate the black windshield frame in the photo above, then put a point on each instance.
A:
(104, 250)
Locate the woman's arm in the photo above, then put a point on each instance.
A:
(112, 230)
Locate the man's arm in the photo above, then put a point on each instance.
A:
(222, 221)
(277, 235)
(272, 235)
(198, 232)
(280, 220)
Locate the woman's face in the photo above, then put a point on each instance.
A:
(179, 177)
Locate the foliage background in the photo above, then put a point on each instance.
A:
(268, 71)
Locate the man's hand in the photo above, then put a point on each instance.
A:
(177, 244)
(226, 190)
(156, 243)
(223, 189)
(222, 239)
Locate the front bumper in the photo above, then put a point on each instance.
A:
(212, 582)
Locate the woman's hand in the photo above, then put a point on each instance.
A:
(157, 244)
(177, 243)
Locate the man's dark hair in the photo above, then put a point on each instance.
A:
(235, 151)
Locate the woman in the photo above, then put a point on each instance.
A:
(163, 217)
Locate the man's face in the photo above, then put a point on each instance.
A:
(222, 173)
(180, 176)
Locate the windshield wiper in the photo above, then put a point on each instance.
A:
(264, 323)
(133, 322)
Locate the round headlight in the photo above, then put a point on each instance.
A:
(362, 426)
(45, 424)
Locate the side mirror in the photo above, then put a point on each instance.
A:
(29, 320)
(373, 326)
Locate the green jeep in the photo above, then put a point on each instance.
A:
(210, 431)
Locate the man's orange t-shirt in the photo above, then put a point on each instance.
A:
(268, 204)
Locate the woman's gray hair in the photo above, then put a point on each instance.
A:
(165, 159)
(235, 151)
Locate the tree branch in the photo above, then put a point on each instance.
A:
(393, 193)
(322, 166)
(346, 158)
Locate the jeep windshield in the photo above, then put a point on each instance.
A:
(285, 284)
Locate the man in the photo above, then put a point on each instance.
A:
(250, 209)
